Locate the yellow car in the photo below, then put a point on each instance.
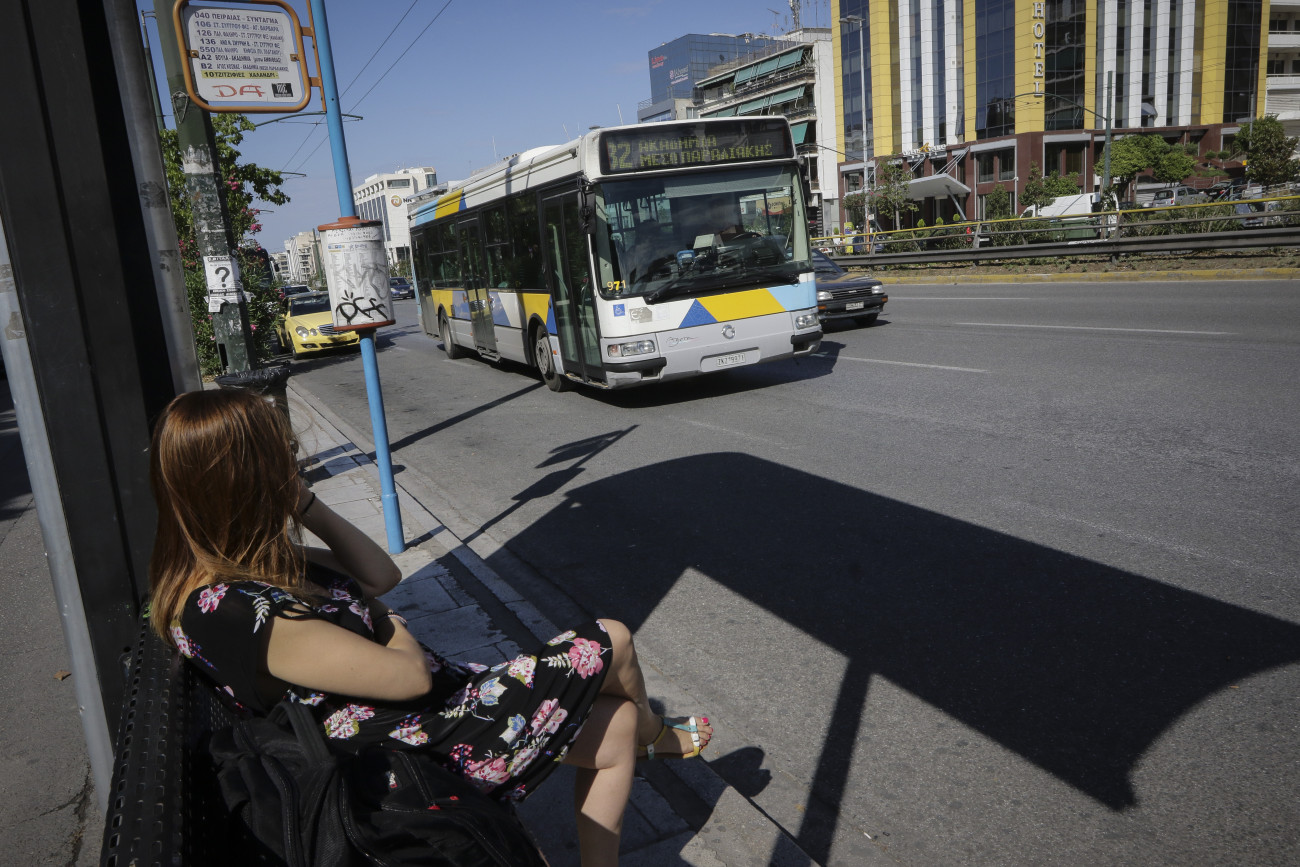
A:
(308, 325)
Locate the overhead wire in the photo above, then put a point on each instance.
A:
(364, 67)
(379, 80)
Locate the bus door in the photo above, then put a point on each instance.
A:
(568, 265)
(474, 276)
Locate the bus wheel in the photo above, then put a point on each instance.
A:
(545, 364)
(448, 345)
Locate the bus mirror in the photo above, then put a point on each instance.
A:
(587, 209)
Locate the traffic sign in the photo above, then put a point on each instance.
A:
(244, 58)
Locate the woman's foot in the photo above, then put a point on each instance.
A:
(680, 738)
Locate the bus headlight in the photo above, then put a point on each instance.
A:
(632, 347)
(806, 320)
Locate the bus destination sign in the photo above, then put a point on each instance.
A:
(705, 144)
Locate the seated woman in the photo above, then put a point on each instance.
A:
(267, 618)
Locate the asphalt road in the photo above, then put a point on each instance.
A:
(1008, 578)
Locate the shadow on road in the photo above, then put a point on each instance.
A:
(1075, 666)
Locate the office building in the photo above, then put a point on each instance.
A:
(794, 78)
(1282, 92)
(675, 67)
(303, 253)
(383, 197)
(969, 93)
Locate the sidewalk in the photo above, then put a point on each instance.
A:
(680, 812)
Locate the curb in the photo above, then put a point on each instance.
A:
(732, 831)
(891, 278)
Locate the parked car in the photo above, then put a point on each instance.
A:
(841, 295)
(294, 289)
(400, 287)
(1249, 208)
(308, 326)
(1173, 196)
(1223, 190)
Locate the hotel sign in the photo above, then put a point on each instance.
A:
(1038, 20)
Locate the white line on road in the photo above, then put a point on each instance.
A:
(961, 298)
(1094, 328)
(902, 363)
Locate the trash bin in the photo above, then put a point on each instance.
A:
(270, 382)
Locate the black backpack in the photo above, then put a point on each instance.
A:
(301, 804)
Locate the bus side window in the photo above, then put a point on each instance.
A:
(523, 266)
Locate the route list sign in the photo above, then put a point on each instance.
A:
(246, 58)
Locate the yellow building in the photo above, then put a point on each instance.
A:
(969, 93)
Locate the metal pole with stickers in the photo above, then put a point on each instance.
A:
(356, 273)
(219, 75)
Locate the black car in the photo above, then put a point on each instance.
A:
(841, 295)
(400, 287)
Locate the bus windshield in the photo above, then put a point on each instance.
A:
(670, 236)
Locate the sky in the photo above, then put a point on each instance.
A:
(483, 81)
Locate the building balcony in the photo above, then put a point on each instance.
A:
(1280, 83)
(1283, 41)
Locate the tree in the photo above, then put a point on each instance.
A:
(997, 205)
(244, 184)
(1134, 154)
(1173, 166)
(1041, 191)
(1270, 154)
(891, 193)
(855, 208)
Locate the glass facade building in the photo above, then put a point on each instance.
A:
(676, 66)
(1035, 82)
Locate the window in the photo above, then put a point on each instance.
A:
(399, 184)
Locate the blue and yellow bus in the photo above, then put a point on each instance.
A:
(631, 255)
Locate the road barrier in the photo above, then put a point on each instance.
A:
(1262, 223)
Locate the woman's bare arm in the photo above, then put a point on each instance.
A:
(316, 654)
(350, 550)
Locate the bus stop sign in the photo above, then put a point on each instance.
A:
(246, 58)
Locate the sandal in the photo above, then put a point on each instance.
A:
(647, 751)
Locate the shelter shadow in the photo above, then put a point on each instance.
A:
(1074, 665)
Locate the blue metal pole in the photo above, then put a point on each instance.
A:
(369, 361)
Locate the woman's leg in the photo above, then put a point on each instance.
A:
(605, 755)
(625, 680)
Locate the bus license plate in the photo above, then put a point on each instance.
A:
(855, 305)
(731, 360)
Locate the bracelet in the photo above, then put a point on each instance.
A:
(393, 615)
(302, 513)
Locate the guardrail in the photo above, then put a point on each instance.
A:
(1271, 222)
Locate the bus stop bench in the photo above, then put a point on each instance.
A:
(164, 806)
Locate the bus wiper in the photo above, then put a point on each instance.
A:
(673, 287)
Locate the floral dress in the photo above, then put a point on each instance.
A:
(503, 728)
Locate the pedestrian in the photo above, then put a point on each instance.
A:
(265, 618)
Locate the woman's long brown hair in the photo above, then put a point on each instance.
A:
(225, 481)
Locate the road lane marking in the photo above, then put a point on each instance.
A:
(1095, 328)
(962, 298)
(901, 363)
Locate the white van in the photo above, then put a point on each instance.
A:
(1173, 196)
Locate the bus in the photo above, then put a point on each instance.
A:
(631, 255)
